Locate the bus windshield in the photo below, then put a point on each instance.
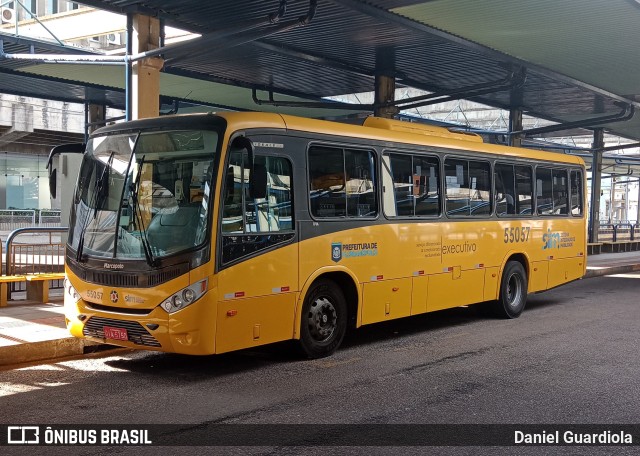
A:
(143, 196)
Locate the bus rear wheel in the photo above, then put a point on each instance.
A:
(513, 291)
(324, 320)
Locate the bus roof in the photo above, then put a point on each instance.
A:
(380, 129)
(373, 128)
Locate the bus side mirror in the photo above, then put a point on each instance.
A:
(258, 179)
(257, 168)
(74, 148)
(53, 175)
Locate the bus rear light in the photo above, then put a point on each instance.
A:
(232, 313)
(185, 297)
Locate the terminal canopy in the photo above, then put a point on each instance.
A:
(562, 61)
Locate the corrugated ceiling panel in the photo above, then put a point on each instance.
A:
(314, 60)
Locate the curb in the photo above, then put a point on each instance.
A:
(591, 273)
(45, 350)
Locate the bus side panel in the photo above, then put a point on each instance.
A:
(256, 299)
(491, 283)
(564, 270)
(419, 295)
(450, 290)
(538, 276)
(386, 300)
(256, 321)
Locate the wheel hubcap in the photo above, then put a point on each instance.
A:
(514, 290)
(322, 319)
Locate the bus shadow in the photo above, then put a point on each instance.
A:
(409, 326)
(196, 368)
(540, 302)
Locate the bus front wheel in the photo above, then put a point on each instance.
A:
(324, 320)
(513, 291)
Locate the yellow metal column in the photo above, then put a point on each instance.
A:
(146, 72)
(385, 84)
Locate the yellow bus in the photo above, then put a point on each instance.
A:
(203, 234)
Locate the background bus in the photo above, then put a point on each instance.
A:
(204, 234)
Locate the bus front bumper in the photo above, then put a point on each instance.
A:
(180, 332)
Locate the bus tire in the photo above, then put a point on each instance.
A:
(324, 320)
(513, 291)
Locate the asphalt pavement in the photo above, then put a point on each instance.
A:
(34, 332)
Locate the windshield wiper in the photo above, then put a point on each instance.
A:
(137, 213)
(100, 192)
(102, 186)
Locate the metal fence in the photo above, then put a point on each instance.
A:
(13, 219)
(35, 250)
(49, 218)
(614, 232)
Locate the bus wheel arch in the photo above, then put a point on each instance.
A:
(327, 307)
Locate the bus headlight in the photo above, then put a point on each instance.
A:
(185, 297)
(70, 292)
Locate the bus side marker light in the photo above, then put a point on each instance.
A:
(550, 257)
(237, 294)
(256, 332)
(232, 313)
(387, 308)
(394, 289)
(280, 289)
(376, 278)
(418, 273)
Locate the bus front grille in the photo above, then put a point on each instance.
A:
(135, 332)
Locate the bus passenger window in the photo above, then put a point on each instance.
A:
(576, 193)
(480, 196)
(414, 182)
(524, 190)
(426, 186)
(544, 191)
(560, 192)
(468, 187)
(402, 182)
(361, 196)
(505, 190)
(342, 182)
(457, 187)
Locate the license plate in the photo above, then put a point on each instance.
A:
(115, 333)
